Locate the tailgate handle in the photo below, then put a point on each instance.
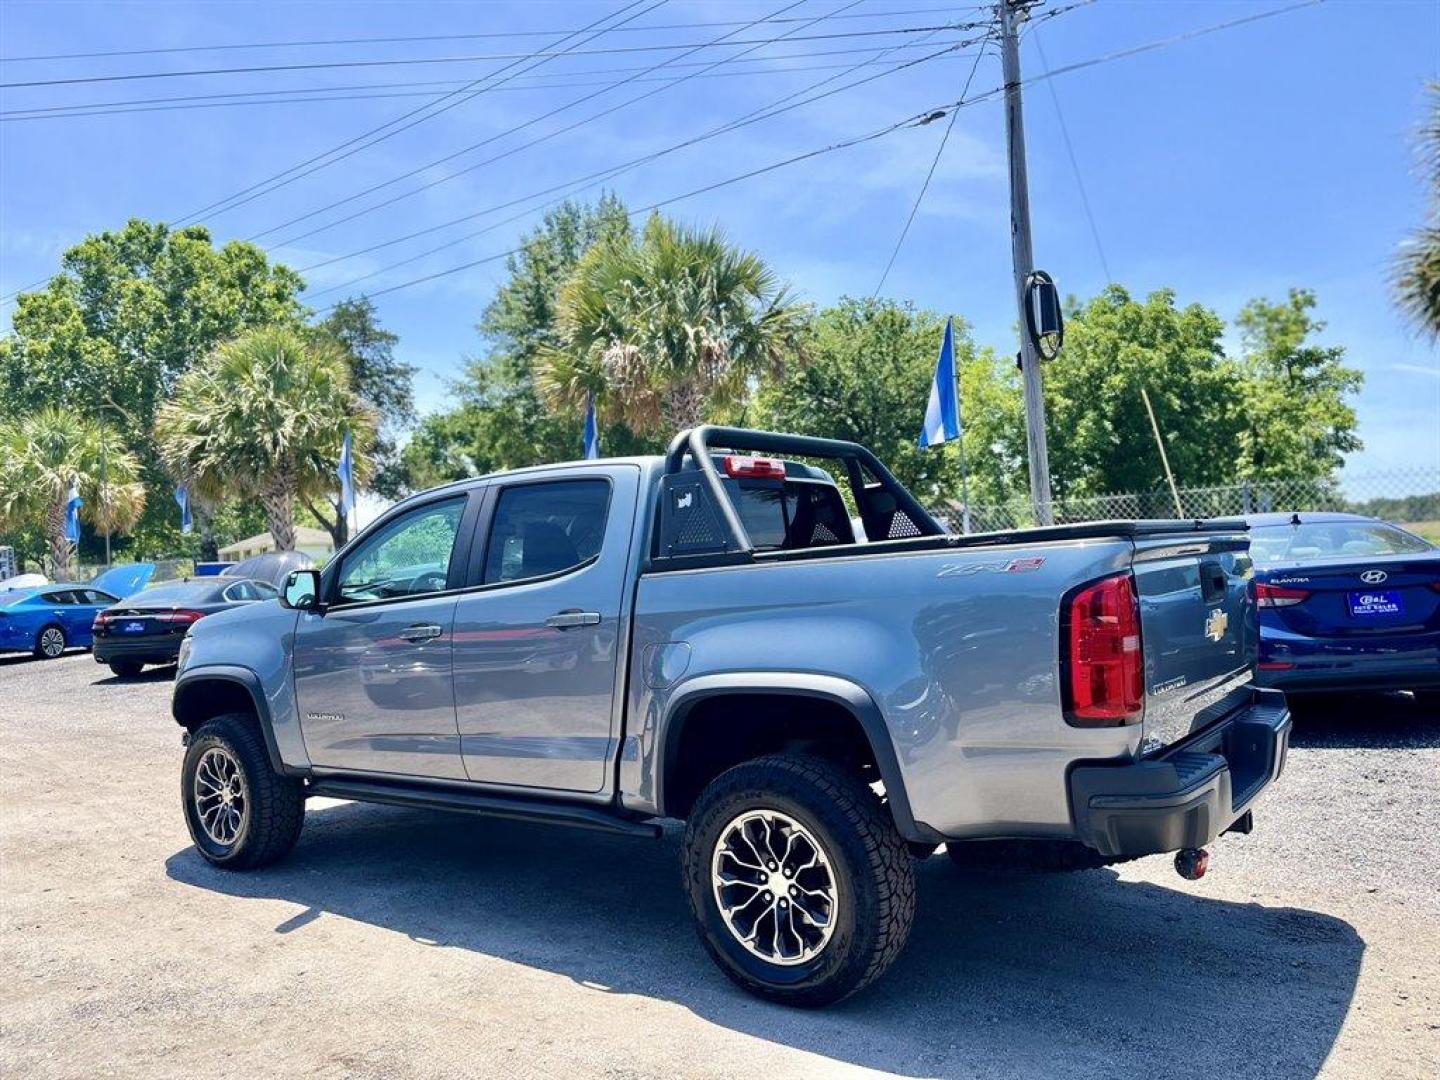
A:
(1212, 581)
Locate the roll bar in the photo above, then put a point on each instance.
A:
(700, 441)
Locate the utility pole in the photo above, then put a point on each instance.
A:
(1011, 14)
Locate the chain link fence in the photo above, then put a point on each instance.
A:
(1410, 498)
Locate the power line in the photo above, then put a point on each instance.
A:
(315, 66)
(1074, 162)
(914, 120)
(405, 121)
(413, 117)
(576, 185)
(451, 37)
(469, 168)
(842, 145)
(934, 163)
(389, 90)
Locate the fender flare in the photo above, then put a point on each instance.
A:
(852, 697)
(189, 682)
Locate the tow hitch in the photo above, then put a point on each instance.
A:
(1191, 863)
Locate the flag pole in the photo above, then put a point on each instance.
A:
(964, 467)
(1164, 457)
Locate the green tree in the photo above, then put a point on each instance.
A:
(668, 328)
(49, 453)
(500, 422)
(263, 417)
(383, 384)
(869, 370)
(1417, 270)
(1296, 421)
(1099, 434)
(128, 313)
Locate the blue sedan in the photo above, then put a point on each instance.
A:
(1345, 603)
(48, 619)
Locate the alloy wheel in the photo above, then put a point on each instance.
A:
(52, 642)
(775, 887)
(220, 797)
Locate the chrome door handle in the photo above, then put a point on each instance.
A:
(566, 620)
(420, 632)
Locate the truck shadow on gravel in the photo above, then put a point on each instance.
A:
(1005, 975)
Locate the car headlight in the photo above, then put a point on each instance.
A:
(185, 645)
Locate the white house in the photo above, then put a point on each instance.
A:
(313, 542)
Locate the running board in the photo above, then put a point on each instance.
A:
(488, 805)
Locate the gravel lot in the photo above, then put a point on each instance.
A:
(403, 943)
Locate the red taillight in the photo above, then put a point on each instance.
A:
(1106, 668)
(1278, 595)
(1275, 665)
(186, 617)
(754, 468)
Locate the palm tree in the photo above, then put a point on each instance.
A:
(1417, 277)
(46, 455)
(263, 416)
(667, 328)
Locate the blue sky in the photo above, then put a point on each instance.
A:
(1227, 166)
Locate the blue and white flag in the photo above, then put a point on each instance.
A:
(592, 431)
(346, 472)
(182, 496)
(72, 513)
(942, 414)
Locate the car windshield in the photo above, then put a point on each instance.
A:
(1331, 540)
(179, 592)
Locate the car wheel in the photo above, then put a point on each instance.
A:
(50, 642)
(801, 887)
(241, 813)
(126, 669)
(1032, 856)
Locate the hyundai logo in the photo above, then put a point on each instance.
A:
(1373, 577)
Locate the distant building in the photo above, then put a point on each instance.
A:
(313, 542)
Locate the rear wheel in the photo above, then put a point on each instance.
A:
(126, 669)
(50, 642)
(1033, 856)
(801, 888)
(241, 813)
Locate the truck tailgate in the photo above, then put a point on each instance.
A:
(1197, 630)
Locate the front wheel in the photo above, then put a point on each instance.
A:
(241, 813)
(50, 642)
(801, 887)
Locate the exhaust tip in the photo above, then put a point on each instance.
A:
(1191, 863)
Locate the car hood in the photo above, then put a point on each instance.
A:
(123, 581)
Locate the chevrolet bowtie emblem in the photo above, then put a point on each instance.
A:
(1215, 624)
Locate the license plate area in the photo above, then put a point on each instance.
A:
(1375, 604)
(134, 626)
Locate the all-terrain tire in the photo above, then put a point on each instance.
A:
(125, 669)
(273, 806)
(51, 642)
(874, 879)
(1033, 856)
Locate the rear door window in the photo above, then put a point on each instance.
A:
(546, 528)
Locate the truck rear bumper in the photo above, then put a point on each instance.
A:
(1190, 794)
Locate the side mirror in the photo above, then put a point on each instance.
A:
(302, 590)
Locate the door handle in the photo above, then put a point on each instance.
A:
(566, 620)
(420, 632)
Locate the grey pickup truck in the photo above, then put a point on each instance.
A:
(711, 636)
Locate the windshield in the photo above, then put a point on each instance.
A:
(188, 592)
(1331, 540)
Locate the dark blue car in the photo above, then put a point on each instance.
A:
(1346, 603)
